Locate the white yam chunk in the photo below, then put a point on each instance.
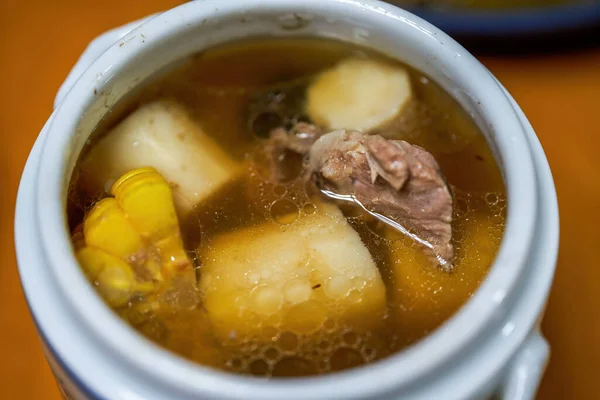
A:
(358, 94)
(293, 278)
(161, 135)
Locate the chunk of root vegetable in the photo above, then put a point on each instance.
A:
(427, 295)
(358, 94)
(161, 135)
(291, 278)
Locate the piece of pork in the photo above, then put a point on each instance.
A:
(285, 143)
(390, 177)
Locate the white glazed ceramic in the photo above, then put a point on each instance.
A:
(491, 346)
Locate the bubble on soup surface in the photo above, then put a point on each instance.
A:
(256, 352)
(284, 211)
(350, 338)
(269, 333)
(293, 366)
(259, 368)
(309, 209)
(288, 342)
(279, 190)
(271, 353)
(324, 345)
(345, 357)
(461, 207)
(368, 352)
(330, 325)
(250, 346)
(336, 340)
(306, 317)
(354, 296)
(492, 199)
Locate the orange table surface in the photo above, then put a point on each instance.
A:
(40, 40)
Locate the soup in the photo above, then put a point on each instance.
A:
(223, 210)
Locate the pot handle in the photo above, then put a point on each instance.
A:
(525, 371)
(96, 47)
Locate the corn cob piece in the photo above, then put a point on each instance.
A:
(147, 200)
(113, 277)
(137, 230)
(105, 224)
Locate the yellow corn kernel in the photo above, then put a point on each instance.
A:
(174, 256)
(147, 200)
(78, 238)
(114, 278)
(154, 268)
(106, 227)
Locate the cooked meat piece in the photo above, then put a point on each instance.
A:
(299, 139)
(390, 177)
(296, 141)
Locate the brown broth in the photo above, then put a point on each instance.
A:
(216, 86)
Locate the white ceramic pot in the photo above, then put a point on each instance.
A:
(492, 346)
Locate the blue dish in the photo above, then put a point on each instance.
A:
(512, 22)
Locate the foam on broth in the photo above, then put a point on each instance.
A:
(216, 86)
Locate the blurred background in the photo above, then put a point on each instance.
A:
(546, 52)
(514, 26)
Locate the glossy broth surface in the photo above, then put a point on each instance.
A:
(216, 87)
